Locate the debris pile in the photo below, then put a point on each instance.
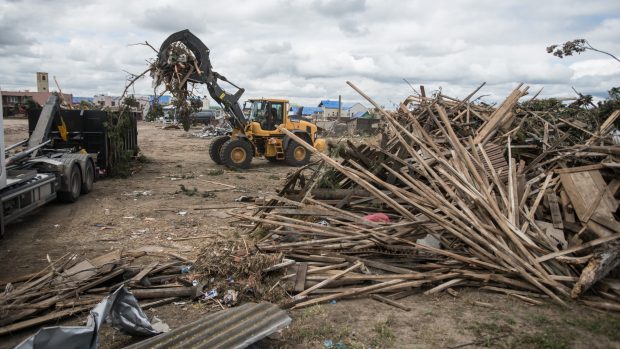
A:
(457, 194)
(212, 131)
(71, 285)
(234, 272)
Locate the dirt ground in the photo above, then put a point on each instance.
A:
(143, 210)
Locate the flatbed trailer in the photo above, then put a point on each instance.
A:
(36, 176)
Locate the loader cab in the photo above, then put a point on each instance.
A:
(268, 114)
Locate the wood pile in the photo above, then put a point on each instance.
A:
(70, 285)
(456, 194)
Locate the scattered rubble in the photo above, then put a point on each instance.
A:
(212, 131)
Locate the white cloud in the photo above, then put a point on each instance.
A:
(305, 50)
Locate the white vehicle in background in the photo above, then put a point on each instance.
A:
(170, 115)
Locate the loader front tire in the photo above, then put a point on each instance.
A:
(296, 154)
(215, 147)
(236, 153)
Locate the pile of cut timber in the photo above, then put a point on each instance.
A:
(71, 285)
(449, 199)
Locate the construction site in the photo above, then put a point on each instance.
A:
(204, 215)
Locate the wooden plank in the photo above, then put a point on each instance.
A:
(567, 208)
(389, 302)
(42, 319)
(144, 272)
(554, 206)
(588, 244)
(589, 195)
(578, 169)
(329, 280)
(300, 280)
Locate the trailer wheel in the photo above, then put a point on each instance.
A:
(236, 153)
(215, 147)
(89, 172)
(75, 186)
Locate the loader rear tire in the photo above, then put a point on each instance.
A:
(296, 154)
(215, 147)
(236, 153)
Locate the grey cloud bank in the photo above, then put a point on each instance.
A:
(306, 50)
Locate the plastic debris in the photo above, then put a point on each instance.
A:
(121, 309)
(212, 131)
(211, 294)
(244, 198)
(377, 218)
(323, 222)
(230, 298)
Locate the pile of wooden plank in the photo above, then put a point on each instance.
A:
(70, 285)
(449, 199)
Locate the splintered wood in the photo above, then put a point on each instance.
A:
(70, 285)
(452, 197)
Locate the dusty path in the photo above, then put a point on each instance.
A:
(143, 210)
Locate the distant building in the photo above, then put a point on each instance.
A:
(14, 102)
(43, 83)
(364, 114)
(78, 100)
(105, 101)
(330, 109)
(163, 100)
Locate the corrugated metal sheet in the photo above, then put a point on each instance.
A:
(305, 111)
(233, 328)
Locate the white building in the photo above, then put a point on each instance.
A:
(347, 110)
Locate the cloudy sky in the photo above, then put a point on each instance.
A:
(305, 50)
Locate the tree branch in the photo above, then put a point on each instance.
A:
(589, 47)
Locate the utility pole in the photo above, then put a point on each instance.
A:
(339, 106)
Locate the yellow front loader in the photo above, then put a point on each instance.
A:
(256, 135)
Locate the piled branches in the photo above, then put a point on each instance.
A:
(71, 285)
(173, 73)
(233, 266)
(447, 170)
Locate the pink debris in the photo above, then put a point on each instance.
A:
(377, 218)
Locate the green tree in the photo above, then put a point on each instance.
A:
(155, 112)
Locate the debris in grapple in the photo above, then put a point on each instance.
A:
(173, 72)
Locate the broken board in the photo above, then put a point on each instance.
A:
(590, 198)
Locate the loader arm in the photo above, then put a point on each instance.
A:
(205, 75)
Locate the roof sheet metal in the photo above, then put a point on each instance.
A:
(232, 328)
(334, 104)
(306, 110)
(359, 114)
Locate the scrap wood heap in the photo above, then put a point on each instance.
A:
(448, 200)
(71, 285)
